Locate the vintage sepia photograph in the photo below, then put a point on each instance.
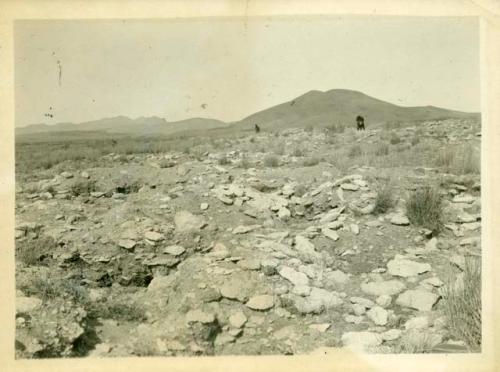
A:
(262, 185)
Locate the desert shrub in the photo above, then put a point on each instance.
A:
(384, 200)
(382, 149)
(336, 128)
(34, 251)
(117, 309)
(49, 287)
(462, 305)
(394, 139)
(298, 152)
(165, 163)
(244, 163)
(300, 190)
(415, 140)
(126, 186)
(425, 208)
(459, 160)
(271, 161)
(312, 161)
(82, 187)
(355, 151)
(279, 149)
(415, 342)
(392, 125)
(223, 160)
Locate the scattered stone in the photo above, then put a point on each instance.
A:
(200, 316)
(361, 341)
(391, 334)
(354, 229)
(284, 214)
(400, 220)
(26, 305)
(126, 243)
(364, 302)
(204, 206)
(174, 250)
(295, 277)
(238, 319)
(349, 187)
(187, 222)
(269, 265)
(419, 322)
(153, 236)
(322, 327)
(261, 302)
(389, 287)
(245, 229)
(353, 319)
(467, 199)
(378, 315)
(332, 234)
(384, 300)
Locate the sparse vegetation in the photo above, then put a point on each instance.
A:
(34, 251)
(382, 149)
(271, 161)
(459, 160)
(394, 139)
(415, 342)
(462, 304)
(385, 199)
(355, 151)
(425, 208)
(298, 152)
(223, 160)
(312, 161)
(82, 187)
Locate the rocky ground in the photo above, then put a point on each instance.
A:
(266, 244)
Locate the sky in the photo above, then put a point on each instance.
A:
(229, 68)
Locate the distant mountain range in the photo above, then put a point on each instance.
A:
(315, 108)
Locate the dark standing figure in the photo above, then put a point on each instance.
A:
(360, 121)
(257, 128)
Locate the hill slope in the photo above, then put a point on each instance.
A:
(342, 106)
(125, 125)
(315, 108)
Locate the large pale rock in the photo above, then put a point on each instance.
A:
(378, 315)
(419, 299)
(238, 319)
(295, 277)
(261, 302)
(305, 249)
(25, 305)
(361, 341)
(188, 222)
(406, 268)
(400, 220)
(389, 287)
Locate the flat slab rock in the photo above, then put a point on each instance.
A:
(295, 277)
(418, 299)
(261, 302)
(187, 222)
(389, 287)
(400, 220)
(361, 341)
(406, 268)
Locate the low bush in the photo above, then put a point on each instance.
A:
(425, 208)
(462, 305)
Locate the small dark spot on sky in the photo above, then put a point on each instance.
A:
(203, 105)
